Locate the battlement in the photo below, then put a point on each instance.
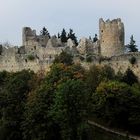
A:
(109, 22)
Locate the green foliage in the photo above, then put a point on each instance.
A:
(31, 57)
(95, 38)
(129, 77)
(111, 102)
(96, 74)
(3, 78)
(89, 59)
(37, 124)
(118, 105)
(72, 36)
(107, 73)
(131, 46)
(133, 60)
(58, 35)
(60, 73)
(13, 96)
(64, 58)
(69, 109)
(134, 115)
(63, 36)
(56, 106)
(45, 32)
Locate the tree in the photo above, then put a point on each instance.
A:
(72, 36)
(64, 58)
(117, 104)
(69, 109)
(95, 38)
(107, 73)
(58, 35)
(134, 115)
(45, 32)
(90, 38)
(14, 95)
(96, 74)
(133, 60)
(63, 36)
(37, 125)
(132, 47)
(129, 77)
(111, 103)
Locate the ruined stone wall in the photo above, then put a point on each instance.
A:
(87, 46)
(123, 62)
(110, 47)
(31, 40)
(19, 62)
(16, 59)
(28, 35)
(11, 60)
(111, 34)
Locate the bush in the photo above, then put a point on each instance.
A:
(31, 57)
(110, 103)
(129, 77)
(132, 60)
(64, 58)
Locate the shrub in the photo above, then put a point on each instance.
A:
(132, 60)
(31, 57)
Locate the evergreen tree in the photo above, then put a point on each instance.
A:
(132, 47)
(63, 36)
(95, 38)
(90, 38)
(45, 32)
(72, 36)
(58, 35)
(69, 109)
(129, 77)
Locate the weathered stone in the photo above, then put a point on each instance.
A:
(85, 46)
(110, 47)
(70, 43)
(111, 37)
(54, 42)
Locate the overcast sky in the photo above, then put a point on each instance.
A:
(80, 15)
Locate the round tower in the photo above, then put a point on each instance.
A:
(111, 35)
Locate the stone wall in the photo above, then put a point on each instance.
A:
(108, 50)
(123, 62)
(30, 39)
(87, 46)
(16, 59)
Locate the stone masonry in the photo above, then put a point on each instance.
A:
(111, 37)
(38, 51)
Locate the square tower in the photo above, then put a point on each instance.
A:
(111, 34)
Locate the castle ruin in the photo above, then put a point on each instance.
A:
(38, 51)
(111, 37)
